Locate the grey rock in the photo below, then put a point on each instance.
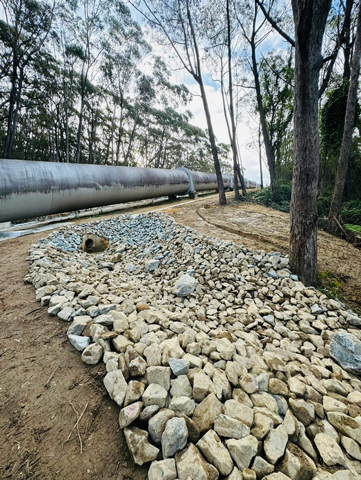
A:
(178, 366)
(275, 444)
(158, 422)
(345, 348)
(174, 437)
(185, 286)
(79, 342)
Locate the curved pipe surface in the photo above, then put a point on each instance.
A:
(31, 189)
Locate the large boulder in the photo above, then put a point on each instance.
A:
(185, 286)
(345, 348)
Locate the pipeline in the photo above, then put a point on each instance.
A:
(31, 189)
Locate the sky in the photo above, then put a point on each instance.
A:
(247, 129)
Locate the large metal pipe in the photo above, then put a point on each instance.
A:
(31, 189)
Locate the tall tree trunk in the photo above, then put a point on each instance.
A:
(212, 139)
(198, 77)
(260, 156)
(310, 20)
(347, 132)
(266, 138)
(236, 169)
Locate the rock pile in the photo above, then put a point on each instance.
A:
(223, 364)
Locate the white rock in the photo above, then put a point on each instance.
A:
(163, 470)
(275, 444)
(215, 452)
(159, 375)
(155, 395)
(92, 354)
(243, 450)
(116, 386)
(330, 451)
(230, 427)
(79, 342)
(191, 464)
(182, 406)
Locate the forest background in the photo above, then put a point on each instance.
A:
(82, 81)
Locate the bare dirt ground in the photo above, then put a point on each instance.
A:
(44, 383)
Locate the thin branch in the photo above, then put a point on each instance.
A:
(274, 24)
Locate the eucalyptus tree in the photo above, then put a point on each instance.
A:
(276, 78)
(23, 34)
(349, 123)
(223, 41)
(255, 30)
(310, 21)
(179, 26)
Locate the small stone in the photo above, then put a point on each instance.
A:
(159, 375)
(304, 411)
(148, 413)
(155, 395)
(153, 354)
(66, 314)
(329, 450)
(275, 444)
(182, 406)
(79, 342)
(151, 265)
(174, 437)
(249, 474)
(157, 424)
(351, 447)
(116, 386)
(121, 343)
(207, 412)
(345, 425)
(191, 464)
(178, 366)
(181, 387)
(193, 431)
(163, 470)
(92, 354)
(130, 413)
(202, 386)
(296, 464)
(235, 475)
(263, 425)
(240, 412)
(249, 383)
(261, 467)
(330, 404)
(141, 450)
(230, 427)
(243, 450)
(134, 392)
(215, 452)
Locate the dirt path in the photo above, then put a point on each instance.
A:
(37, 415)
